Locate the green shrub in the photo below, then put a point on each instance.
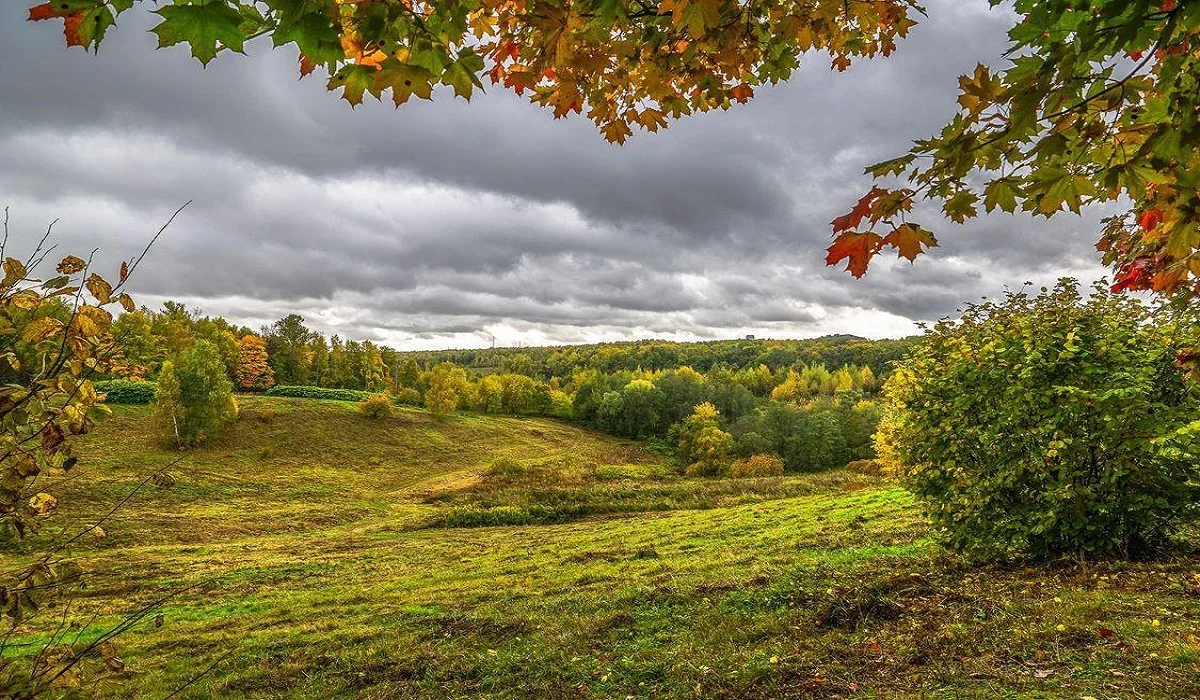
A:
(319, 392)
(408, 397)
(1050, 425)
(756, 466)
(376, 406)
(474, 516)
(507, 468)
(126, 391)
(619, 472)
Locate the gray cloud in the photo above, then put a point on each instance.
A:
(442, 222)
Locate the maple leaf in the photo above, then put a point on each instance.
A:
(404, 81)
(961, 206)
(307, 65)
(519, 79)
(651, 119)
(354, 80)
(742, 92)
(81, 25)
(462, 73)
(1150, 219)
(1001, 193)
(909, 240)
(1131, 276)
(205, 25)
(856, 248)
(860, 211)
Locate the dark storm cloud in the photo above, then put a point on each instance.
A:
(449, 223)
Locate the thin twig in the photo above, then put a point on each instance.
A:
(194, 679)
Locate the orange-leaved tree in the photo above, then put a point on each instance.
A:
(253, 372)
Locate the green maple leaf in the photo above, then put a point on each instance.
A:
(961, 206)
(354, 81)
(461, 75)
(311, 29)
(205, 25)
(405, 81)
(1001, 193)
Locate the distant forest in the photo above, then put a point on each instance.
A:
(807, 403)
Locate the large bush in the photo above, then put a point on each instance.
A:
(376, 406)
(756, 466)
(1049, 425)
(408, 397)
(126, 391)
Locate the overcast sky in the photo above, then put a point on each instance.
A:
(441, 222)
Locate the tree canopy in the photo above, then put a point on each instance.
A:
(1097, 102)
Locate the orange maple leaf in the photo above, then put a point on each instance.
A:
(909, 239)
(742, 92)
(307, 65)
(860, 211)
(71, 21)
(856, 248)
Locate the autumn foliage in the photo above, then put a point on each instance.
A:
(253, 372)
(624, 63)
(56, 324)
(1098, 104)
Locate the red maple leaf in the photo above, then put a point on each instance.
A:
(1150, 219)
(856, 248)
(1132, 276)
(851, 220)
(496, 73)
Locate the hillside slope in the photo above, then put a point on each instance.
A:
(316, 548)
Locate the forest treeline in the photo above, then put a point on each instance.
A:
(807, 403)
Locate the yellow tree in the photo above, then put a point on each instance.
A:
(447, 382)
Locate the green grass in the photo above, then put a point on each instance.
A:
(318, 545)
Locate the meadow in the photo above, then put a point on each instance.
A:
(310, 552)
